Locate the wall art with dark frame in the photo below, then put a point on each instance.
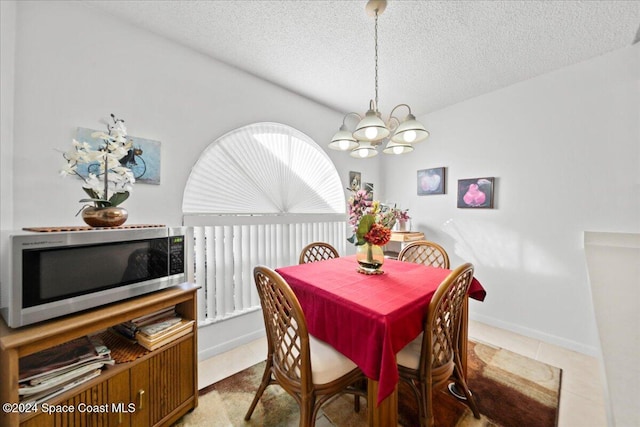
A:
(431, 181)
(368, 187)
(355, 181)
(476, 193)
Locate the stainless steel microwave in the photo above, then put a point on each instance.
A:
(47, 275)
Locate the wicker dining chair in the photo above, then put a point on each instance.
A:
(317, 251)
(425, 252)
(428, 362)
(308, 369)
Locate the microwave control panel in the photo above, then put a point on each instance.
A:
(176, 255)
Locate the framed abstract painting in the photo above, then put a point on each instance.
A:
(431, 181)
(475, 193)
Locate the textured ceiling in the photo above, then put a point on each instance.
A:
(431, 53)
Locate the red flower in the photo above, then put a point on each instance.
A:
(378, 235)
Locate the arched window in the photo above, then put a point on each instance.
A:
(264, 168)
(257, 195)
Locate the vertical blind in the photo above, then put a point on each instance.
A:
(225, 248)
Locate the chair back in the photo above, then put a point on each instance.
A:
(442, 326)
(317, 251)
(425, 252)
(286, 327)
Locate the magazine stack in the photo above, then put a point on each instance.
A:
(156, 329)
(53, 371)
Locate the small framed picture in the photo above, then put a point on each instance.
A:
(475, 193)
(354, 181)
(368, 187)
(431, 181)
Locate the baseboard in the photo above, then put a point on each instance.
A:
(225, 335)
(542, 336)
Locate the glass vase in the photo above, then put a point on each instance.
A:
(370, 257)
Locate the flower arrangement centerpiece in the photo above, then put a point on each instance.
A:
(371, 223)
(107, 182)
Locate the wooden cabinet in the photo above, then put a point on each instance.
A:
(153, 390)
(139, 392)
(98, 398)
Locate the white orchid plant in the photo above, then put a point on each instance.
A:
(108, 183)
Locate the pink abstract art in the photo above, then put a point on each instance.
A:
(475, 193)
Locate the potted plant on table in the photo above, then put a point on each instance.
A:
(402, 219)
(107, 182)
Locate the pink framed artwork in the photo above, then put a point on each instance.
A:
(475, 193)
(431, 181)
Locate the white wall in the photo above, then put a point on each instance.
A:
(564, 148)
(7, 46)
(76, 65)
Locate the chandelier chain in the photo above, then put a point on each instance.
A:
(372, 130)
(376, 58)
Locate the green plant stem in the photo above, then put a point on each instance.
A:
(106, 177)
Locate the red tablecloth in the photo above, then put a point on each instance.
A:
(367, 318)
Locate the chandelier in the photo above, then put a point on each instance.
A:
(371, 130)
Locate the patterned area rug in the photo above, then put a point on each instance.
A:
(510, 389)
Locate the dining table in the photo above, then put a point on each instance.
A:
(370, 317)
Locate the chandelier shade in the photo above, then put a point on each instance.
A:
(410, 131)
(396, 148)
(372, 131)
(364, 150)
(343, 140)
(371, 128)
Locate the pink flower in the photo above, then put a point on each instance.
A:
(359, 205)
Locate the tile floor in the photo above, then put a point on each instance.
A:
(581, 397)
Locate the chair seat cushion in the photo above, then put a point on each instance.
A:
(327, 363)
(409, 356)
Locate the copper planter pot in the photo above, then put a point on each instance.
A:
(112, 216)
